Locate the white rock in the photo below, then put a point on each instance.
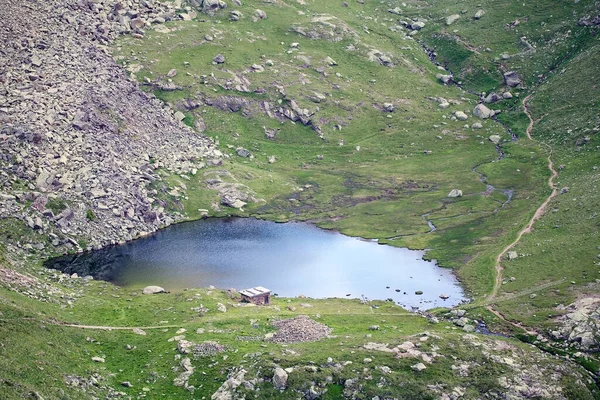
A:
(153, 290)
(452, 19)
(418, 367)
(280, 378)
(461, 116)
(495, 139)
(455, 193)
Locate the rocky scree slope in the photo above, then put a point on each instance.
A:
(79, 142)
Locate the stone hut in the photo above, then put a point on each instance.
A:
(257, 295)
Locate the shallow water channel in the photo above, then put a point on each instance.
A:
(291, 259)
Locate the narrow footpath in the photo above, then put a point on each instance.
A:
(527, 228)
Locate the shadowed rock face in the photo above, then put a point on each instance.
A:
(78, 129)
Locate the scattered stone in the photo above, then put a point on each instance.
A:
(461, 116)
(98, 359)
(330, 61)
(455, 193)
(479, 14)
(139, 331)
(492, 98)
(219, 59)
(235, 15)
(243, 152)
(260, 14)
(482, 111)
(280, 378)
(153, 290)
(496, 139)
(388, 107)
(417, 26)
(512, 255)
(452, 19)
(446, 79)
(418, 367)
(511, 79)
(477, 125)
(226, 391)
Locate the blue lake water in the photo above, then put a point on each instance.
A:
(291, 259)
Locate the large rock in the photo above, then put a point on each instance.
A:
(417, 26)
(243, 152)
(153, 290)
(482, 111)
(446, 79)
(479, 14)
(455, 193)
(280, 378)
(495, 139)
(213, 5)
(219, 59)
(492, 98)
(418, 367)
(452, 19)
(137, 23)
(511, 79)
(461, 116)
(260, 14)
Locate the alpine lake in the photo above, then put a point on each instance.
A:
(291, 259)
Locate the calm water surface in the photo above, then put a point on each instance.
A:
(290, 259)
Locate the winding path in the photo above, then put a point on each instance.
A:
(527, 228)
(113, 328)
(538, 213)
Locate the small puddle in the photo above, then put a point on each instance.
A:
(291, 259)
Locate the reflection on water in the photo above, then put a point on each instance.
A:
(290, 259)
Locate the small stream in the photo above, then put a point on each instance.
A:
(291, 259)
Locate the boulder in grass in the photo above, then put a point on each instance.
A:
(455, 193)
(280, 378)
(479, 14)
(153, 290)
(452, 19)
(482, 111)
(512, 79)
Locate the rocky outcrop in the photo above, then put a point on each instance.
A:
(581, 324)
(227, 389)
(75, 131)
